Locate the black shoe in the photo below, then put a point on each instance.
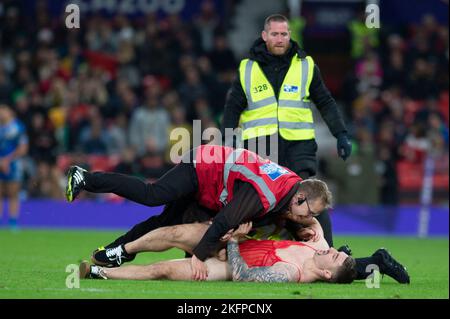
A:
(346, 249)
(111, 257)
(391, 267)
(88, 271)
(75, 182)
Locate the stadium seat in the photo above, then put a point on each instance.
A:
(102, 162)
(63, 162)
(411, 174)
(443, 105)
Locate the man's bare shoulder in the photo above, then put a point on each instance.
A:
(287, 270)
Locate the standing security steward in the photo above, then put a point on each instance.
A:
(272, 100)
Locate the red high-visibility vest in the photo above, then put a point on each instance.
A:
(218, 167)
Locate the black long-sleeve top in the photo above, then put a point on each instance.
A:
(275, 69)
(244, 206)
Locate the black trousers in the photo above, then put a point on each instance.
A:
(176, 190)
(175, 184)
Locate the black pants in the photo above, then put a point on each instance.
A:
(175, 184)
(298, 156)
(176, 189)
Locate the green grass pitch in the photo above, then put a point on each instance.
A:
(33, 265)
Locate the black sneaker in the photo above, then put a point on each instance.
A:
(87, 271)
(111, 257)
(346, 249)
(75, 182)
(391, 267)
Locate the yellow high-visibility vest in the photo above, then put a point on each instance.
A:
(291, 113)
(361, 34)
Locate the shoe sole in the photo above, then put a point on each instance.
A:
(69, 193)
(99, 263)
(84, 269)
(386, 256)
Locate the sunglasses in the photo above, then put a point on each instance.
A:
(310, 212)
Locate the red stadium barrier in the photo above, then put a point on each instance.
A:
(95, 162)
(410, 176)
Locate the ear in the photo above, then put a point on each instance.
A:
(326, 274)
(264, 35)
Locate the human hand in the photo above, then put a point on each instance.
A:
(227, 236)
(243, 230)
(4, 166)
(344, 147)
(307, 234)
(222, 254)
(199, 269)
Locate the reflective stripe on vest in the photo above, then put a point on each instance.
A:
(291, 114)
(232, 166)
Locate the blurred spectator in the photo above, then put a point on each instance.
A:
(12, 26)
(421, 83)
(203, 112)
(216, 84)
(128, 164)
(100, 35)
(5, 86)
(152, 163)
(438, 128)
(116, 135)
(42, 140)
(13, 146)
(47, 182)
(122, 99)
(207, 21)
(369, 74)
(93, 137)
(363, 39)
(191, 89)
(395, 72)
(221, 56)
(149, 122)
(386, 169)
(429, 107)
(416, 144)
(180, 133)
(93, 140)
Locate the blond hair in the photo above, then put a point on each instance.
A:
(315, 189)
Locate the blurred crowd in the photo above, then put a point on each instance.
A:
(114, 89)
(396, 100)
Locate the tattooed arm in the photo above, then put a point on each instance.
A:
(280, 272)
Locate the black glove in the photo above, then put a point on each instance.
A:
(344, 147)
